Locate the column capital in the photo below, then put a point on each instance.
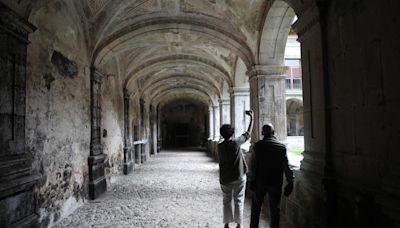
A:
(96, 75)
(237, 91)
(126, 93)
(224, 101)
(270, 71)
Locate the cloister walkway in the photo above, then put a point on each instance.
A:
(174, 189)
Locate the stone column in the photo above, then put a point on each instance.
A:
(240, 101)
(143, 155)
(225, 111)
(128, 161)
(18, 206)
(97, 179)
(267, 89)
(211, 123)
(216, 122)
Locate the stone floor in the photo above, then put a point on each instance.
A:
(174, 189)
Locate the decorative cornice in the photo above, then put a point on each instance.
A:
(14, 24)
(270, 71)
(306, 21)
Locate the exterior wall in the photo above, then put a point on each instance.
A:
(58, 111)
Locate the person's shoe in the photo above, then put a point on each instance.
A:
(226, 225)
(238, 226)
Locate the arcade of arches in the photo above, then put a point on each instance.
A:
(92, 89)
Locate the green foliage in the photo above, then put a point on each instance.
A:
(297, 151)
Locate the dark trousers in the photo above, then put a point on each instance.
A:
(274, 197)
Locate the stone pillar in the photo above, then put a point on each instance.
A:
(128, 161)
(18, 206)
(97, 179)
(216, 122)
(143, 156)
(153, 131)
(267, 88)
(240, 102)
(211, 123)
(225, 111)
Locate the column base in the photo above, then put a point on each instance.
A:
(128, 161)
(97, 179)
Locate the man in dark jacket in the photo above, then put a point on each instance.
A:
(269, 163)
(232, 170)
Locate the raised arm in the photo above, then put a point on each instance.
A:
(250, 127)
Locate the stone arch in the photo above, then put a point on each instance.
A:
(204, 27)
(274, 34)
(173, 60)
(295, 118)
(153, 86)
(190, 93)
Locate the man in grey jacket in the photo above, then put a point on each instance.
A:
(232, 169)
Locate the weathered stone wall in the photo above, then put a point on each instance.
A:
(113, 124)
(58, 109)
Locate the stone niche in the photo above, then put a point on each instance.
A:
(17, 198)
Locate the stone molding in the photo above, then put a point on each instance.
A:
(307, 21)
(224, 101)
(270, 71)
(14, 24)
(96, 76)
(239, 91)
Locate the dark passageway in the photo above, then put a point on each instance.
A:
(183, 124)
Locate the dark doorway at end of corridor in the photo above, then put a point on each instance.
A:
(183, 124)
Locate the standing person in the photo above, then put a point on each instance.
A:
(269, 163)
(232, 172)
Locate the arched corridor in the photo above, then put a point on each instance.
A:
(91, 90)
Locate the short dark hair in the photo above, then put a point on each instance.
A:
(268, 129)
(226, 131)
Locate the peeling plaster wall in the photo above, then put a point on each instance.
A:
(113, 123)
(57, 111)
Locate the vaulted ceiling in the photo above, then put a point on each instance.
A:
(175, 48)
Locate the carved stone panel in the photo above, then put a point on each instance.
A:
(97, 180)
(17, 199)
